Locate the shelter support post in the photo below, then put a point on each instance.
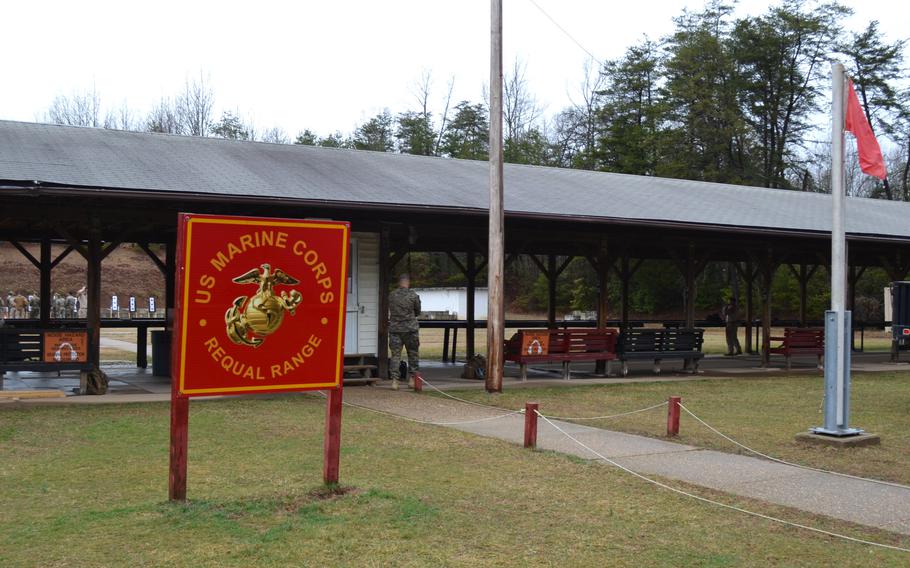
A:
(551, 290)
(471, 270)
(690, 266)
(803, 275)
(93, 291)
(601, 265)
(45, 282)
(748, 272)
(897, 270)
(385, 251)
(170, 264)
(626, 271)
(551, 272)
(767, 268)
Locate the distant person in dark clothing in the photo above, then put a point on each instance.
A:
(730, 313)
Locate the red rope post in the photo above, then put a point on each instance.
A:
(418, 382)
(531, 424)
(673, 416)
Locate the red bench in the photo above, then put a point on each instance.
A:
(562, 345)
(800, 341)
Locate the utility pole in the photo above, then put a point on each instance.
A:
(496, 309)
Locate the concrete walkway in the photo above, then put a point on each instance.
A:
(857, 501)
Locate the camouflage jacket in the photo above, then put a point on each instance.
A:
(404, 307)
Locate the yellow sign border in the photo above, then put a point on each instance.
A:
(264, 222)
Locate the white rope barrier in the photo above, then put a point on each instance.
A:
(785, 462)
(428, 422)
(718, 503)
(480, 404)
(664, 403)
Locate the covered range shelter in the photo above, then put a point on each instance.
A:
(92, 189)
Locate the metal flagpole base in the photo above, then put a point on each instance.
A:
(839, 432)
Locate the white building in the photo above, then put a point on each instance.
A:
(453, 301)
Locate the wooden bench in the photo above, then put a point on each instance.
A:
(565, 346)
(800, 341)
(22, 349)
(659, 344)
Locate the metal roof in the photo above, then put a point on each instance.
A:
(98, 158)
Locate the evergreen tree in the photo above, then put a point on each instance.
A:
(706, 137)
(231, 127)
(782, 56)
(630, 118)
(415, 134)
(307, 138)
(467, 133)
(375, 134)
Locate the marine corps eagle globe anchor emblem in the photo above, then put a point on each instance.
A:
(250, 320)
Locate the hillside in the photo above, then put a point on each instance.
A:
(127, 271)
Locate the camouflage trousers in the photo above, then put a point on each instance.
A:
(410, 340)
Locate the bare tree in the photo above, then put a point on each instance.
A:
(575, 127)
(275, 135)
(421, 91)
(519, 107)
(163, 118)
(78, 109)
(122, 118)
(444, 117)
(194, 107)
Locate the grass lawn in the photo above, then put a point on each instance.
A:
(763, 413)
(86, 486)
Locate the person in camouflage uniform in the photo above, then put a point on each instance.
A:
(404, 330)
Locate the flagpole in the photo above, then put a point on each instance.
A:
(837, 319)
(838, 233)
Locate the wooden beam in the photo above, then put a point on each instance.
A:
(45, 283)
(385, 269)
(471, 272)
(564, 265)
(77, 244)
(461, 267)
(62, 255)
(162, 267)
(540, 265)
(552, 276)
(26, 254)
(110, 247)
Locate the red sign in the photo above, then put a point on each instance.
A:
(260, 305)
(535, 342)
(65, 346)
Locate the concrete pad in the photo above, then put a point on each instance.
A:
(856, 441)
(23, 394)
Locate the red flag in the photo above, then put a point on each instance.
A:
(870, 153)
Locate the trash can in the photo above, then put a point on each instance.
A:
(161, 353)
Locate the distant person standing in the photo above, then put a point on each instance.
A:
(404, 330)
(730, 313)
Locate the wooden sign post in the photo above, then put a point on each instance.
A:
(260, 308)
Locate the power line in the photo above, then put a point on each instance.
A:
(567, 34)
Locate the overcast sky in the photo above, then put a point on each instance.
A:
(325, 65)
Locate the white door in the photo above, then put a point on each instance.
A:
(353, 307)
